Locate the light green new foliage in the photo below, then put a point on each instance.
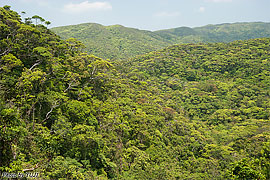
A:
(190, 111)
(119, 42)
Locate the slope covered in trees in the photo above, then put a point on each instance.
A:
(193, 111)
(226, 32)
(113, 42)
(220, 90)
(119, 42)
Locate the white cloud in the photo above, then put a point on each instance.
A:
(219, 1)
(87, 6)
(167, 14)
(202, 9)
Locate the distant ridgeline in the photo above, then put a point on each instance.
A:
(190, 111)
(119, 42)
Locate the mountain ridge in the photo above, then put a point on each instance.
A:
(119, 42)
(194, 27)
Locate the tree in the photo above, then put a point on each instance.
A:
(47, 23)
(36, 17)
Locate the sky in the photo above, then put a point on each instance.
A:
(144, 14)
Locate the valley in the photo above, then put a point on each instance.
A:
(123, 103)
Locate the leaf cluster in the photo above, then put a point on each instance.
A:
(192, 111)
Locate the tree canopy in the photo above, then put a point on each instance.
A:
(192, 111)
(118, 42)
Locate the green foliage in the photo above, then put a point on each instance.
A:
(67, 168)
(218, 87)
(247, 169)
(8, 62)
(112, 42)
(119, 42)
(217, 33)
(193, 111)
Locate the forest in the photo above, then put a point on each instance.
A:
(118, 42)
(188, 111)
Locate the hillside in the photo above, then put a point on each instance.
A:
(191, 111)
(220, 91)
(217, 33)
(119, 42)
(113, 42)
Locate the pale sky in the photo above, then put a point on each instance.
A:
(144, 14)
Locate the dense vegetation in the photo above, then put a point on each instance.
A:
(119, 42)
(217, 33)
(113, 42)
(193, 111)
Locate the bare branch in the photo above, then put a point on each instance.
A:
(69, 86)
(5, 52)
(31, 169)
(36, 64)
(55, 105)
